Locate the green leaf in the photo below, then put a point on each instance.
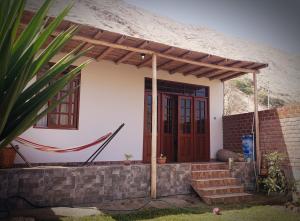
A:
(20, 102)
(49, 91)
(32, 118)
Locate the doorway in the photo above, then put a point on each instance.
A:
(183, 126)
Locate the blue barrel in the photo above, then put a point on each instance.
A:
(247, 145)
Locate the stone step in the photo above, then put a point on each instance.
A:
(209, 166)
(214, 182)
(227, 198)
(208, 191)
(206, 174)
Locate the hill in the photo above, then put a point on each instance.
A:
(282, 76)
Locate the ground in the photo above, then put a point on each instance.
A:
(180, 207)
(266, 213)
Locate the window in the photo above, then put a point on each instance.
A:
(66, 114)
(178, 88)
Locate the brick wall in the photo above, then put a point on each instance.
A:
(279, 131)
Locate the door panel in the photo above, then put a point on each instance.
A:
(148, 126)
(168, 126)
(185, 129)
(200, 150)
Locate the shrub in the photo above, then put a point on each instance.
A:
(275, 181)
(245, 86)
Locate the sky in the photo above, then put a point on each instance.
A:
(275, 23)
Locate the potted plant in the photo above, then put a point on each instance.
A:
(21, 99)
(161, 159)
(127, 160)
(7, 157)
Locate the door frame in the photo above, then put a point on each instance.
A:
(159, 105)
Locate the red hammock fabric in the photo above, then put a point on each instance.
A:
(59, 150)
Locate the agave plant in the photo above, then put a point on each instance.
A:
(22, 56)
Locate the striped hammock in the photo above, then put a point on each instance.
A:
(60, 150)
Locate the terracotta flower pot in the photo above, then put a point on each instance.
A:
(7, 157)
(161, 160)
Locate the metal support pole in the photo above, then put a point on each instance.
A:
(154, 127)
(257, 147)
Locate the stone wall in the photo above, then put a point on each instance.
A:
(279, 131)
(245, 172)
(58, 186)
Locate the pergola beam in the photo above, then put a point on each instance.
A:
(185, 54)
(109, 49)
(96, 36)
(183, 66)
(230, 73)
(199, 68)
(235, 75)
(159, 54)
(131, 53)
(148, 60)
(219, 71)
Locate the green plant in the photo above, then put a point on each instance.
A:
(22, 57)
(275, 180)
(127, 156)
(274, 102)
(245, 86)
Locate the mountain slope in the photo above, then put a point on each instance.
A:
(283, 73)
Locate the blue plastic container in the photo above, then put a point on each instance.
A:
(247, 145)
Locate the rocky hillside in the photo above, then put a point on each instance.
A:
(282, 76)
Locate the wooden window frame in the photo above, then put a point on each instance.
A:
(71, 114)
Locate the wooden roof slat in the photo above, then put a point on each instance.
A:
(150, 59)
(226, 78)
(96, 36)
(222, 71)
(123, 52)
(131, 53)
(109, 49)
(159, 54)
(183, 55)
(199, 63)
(195, 70)
(229, 73)
(183, 66)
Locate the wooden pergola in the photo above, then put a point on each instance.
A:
(139, 52)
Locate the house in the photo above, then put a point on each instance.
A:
(145, 84)
(117, 88)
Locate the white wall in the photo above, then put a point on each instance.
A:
(111, 94)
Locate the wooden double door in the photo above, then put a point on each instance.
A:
(183, 128)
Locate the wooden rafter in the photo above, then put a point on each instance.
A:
(131, 53)
(183, 55)
(213, 73)
(205, 64)
(109, 49)
(142, 64)
(96, 36)
(229, 73)
(195, 70)
(183, 66)
(226, 78)
(159, 54)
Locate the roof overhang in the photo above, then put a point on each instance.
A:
(126, 49)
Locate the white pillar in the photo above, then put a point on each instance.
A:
(154, 127)
(258, 154)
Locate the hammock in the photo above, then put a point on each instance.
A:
(105, 139)
(60, 150)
